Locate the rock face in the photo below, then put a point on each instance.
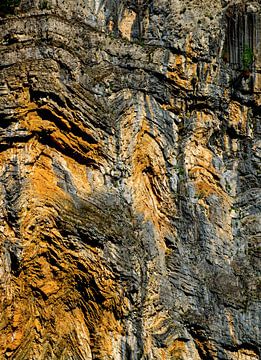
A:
(130, 179)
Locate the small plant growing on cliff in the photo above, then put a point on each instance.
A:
(8, 6)
(247, 58)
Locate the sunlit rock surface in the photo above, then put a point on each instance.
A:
(130, 179)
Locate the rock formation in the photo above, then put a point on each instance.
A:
(130, 179)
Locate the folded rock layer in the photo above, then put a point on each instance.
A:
(130, 179)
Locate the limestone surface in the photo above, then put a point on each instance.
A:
(130, 179)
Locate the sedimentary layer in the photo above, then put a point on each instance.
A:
(130, 180)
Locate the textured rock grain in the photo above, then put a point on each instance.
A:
(130, 180)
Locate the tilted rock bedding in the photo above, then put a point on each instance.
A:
(130, 179)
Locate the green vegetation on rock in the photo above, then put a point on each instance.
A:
(247, 57)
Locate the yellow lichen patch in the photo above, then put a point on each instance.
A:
(204, 187)
(182, 350)
(24, 99)
(126, 23)
(202, 172)
(243, 354)
(43, 181)
(208, 73)
(238, 117)
(204, 123)
(202, 156)
(182, 83)
(190, 52)
(206, 347)
(175, 105)
(182, 71)
(14, 334)
(49, 287)
(56, 130)
(106, 331)
(54, 306)
(148, 181)
(86, 179)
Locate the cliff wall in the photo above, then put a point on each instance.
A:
(130, 179)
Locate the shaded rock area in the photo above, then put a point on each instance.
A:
(130, 179)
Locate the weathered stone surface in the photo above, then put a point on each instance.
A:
(130, 180)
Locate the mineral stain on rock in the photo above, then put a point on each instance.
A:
(130, 179)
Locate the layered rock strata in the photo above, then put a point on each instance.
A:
(130, 179)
